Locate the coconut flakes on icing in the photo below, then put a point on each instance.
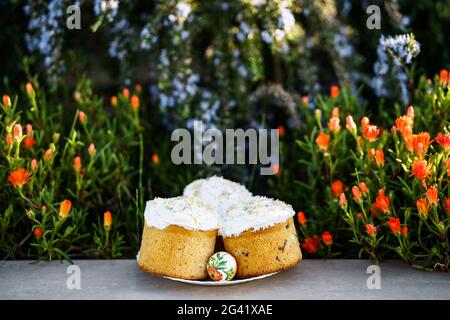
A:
(256, 214)
(217, 192)
(186, 212)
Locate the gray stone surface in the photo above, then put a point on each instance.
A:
(312, 279)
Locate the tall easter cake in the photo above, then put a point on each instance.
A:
(178, 238)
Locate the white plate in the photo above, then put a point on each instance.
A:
(220, 283)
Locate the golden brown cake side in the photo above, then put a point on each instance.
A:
(265, 251)
(176, 252)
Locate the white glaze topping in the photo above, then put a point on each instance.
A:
(256, 214)
(217, 192)
(186, 212)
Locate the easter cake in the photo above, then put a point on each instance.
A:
(178, 238)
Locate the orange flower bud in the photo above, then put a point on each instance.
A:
(327, 238)
(379, 157)
(335, 112)
(64, 209)
(301, 218)
(363, 187)
(337, 187)
(6, 101)
(410, 112)
(334, 125)
(30, 90)
(382, 202)
(356, 194)
(334, 91)
(17, 130)
(443, 77)
(365, 122)
(281, 131)
(404, 231)
(37, 232)
(351, 125)
(323, 141)
(126, 93)
(343, 200)
(423, 207)
(82, 116)
(91, 149)
(9, 139)
(48, 154)
(447, 205)
(134, 102)
(114, 101)
(77, 163)
(138, 87)
(432, 195)
(107, 220)
(305, 100)
(394, 225)
(371, 230)
(34, 164)
(276, 169)
(155, 159)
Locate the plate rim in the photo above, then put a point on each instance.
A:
(211, 283)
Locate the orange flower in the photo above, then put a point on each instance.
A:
(327, 238)
(337, 187)
(421, 169)
(421, 143)
(371, 133)
(334, 91)
(64, 209)
(82, 116)
(77, 163)
(404, 230)
(371, 230)
(301, 218)
(447, 205)
(134, 102)
(356, 194)
(423, 207)
(409, 141)
(311, 245)
(365, 122)
(48, 154)
(6, 101)
(281, 131)
(107, 220)
(114, 101)
(363, 187)
(334, 124)
(38, 232)
(351, 125)
(382, 202)
(404, 125)
(379, 157)
(126, 92)
(394, 225)
(18, 178)
(343, 200)
(29, 142)
(432, 195)
(33, 164)
(323, 141)
(443, 140)
(30, 90)
(443, 77)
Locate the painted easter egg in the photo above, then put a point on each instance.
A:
(221, 266)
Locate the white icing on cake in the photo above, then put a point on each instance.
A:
(186, 212)
(256, 214)
(219, 193)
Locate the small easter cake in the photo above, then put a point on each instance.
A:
(178, 238)
(260, 234)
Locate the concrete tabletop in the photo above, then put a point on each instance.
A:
(312, 279)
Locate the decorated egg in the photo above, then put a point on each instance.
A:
(221, 266)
